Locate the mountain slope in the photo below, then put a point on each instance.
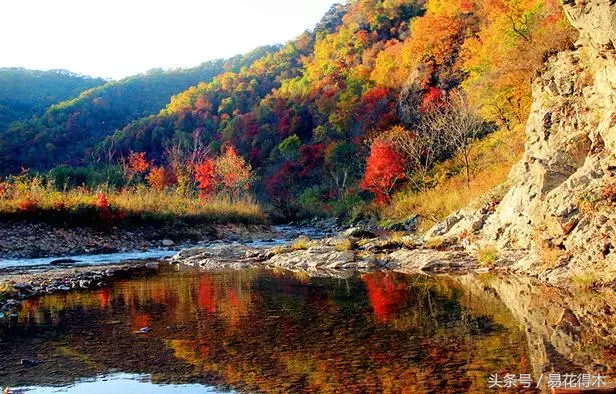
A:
(26, 93)
(304, 117)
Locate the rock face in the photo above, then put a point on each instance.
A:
(561, 202)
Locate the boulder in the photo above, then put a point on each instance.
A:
(359, 233)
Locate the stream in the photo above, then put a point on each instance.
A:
(189, 331)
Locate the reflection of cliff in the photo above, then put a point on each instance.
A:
(271, 332)
(566, 331)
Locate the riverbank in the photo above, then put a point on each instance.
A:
(25, 239)
(17, 285)
(359, 249)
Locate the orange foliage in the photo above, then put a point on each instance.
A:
(205, 175)
(159, 178)
(28, 205)
(137, 162)
(102, 203)
(234, 172)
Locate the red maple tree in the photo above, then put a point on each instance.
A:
(384, 171)
(205, 175)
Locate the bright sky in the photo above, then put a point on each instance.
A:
(117, 38)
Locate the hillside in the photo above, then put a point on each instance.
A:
(67, 131)
(356, 118)
(306, 116)
(26, 93)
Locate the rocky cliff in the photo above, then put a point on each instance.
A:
(560, 206)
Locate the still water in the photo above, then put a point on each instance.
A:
(276, 331)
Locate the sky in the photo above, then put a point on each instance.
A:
(117, 38)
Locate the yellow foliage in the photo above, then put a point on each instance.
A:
(492, 159)
(138, 200)
(302, 243)
(344, 245)
(487, 256)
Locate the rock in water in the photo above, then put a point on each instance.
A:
(29, 362)
(359, 232)
(63, 262)
(168, 242)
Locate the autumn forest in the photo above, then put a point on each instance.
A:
(385, 110)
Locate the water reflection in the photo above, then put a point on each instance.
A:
(282, 332)
(118, 383)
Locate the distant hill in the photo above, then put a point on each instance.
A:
(26, 93)
(66, 131)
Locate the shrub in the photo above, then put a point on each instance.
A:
(586, 280)
(311, 201)
(385, 171)
(350, 204)
(587, 202)
(158, 178)
(345, 245)
(302, 243)
(28, 205)
(487, 256)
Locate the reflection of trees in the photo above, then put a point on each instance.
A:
(252, 331)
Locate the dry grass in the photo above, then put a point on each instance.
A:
(31, 197)
(586, 280)
(487, 256)
(344, 245)
(301, 243)
(5, 288)
(436, 244)
(492, 160)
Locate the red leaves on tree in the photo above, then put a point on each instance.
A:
(384, 171)
(433, 97)
(255, 155)
(137, 162)
(205, 175)
(377, 109)
(310, 158)
(279, 185)
(229, 172)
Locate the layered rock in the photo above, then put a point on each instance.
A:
(560, 206)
